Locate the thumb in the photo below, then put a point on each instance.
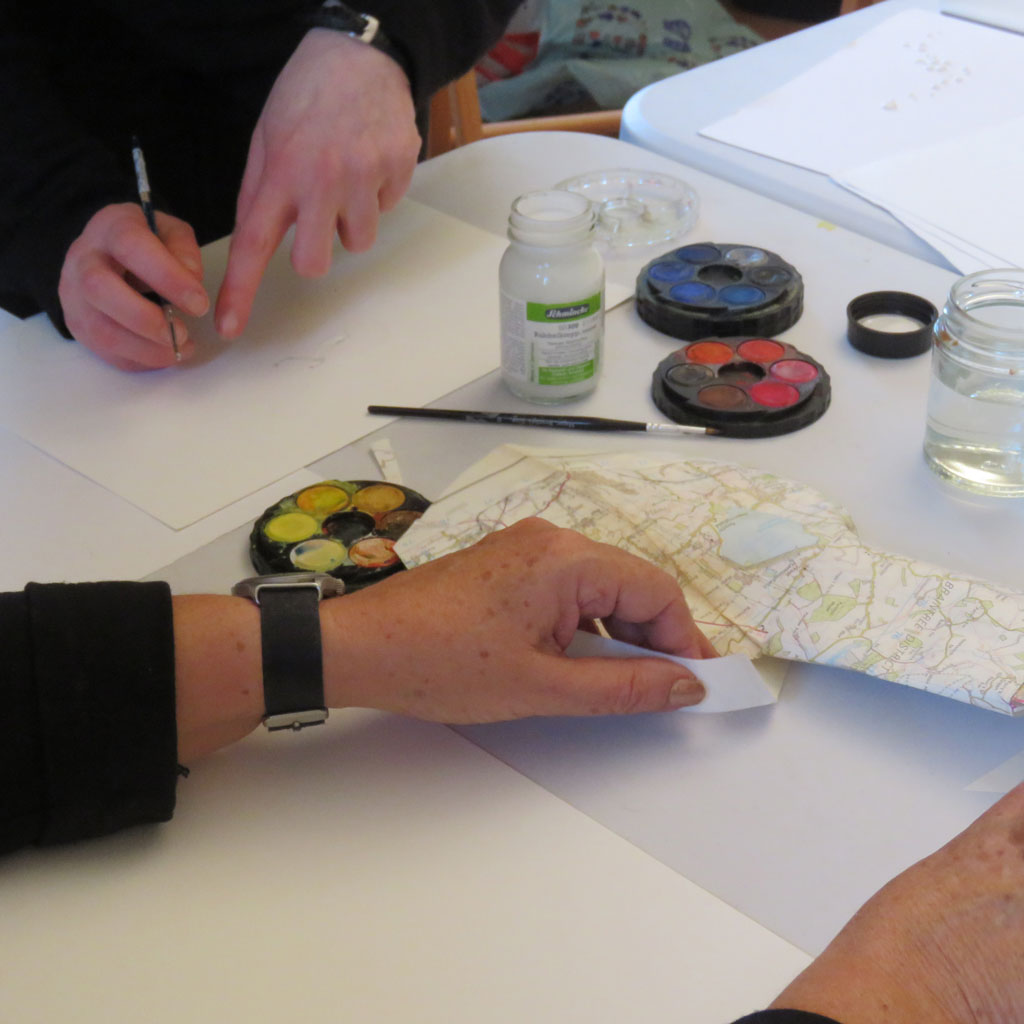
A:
(621, 686)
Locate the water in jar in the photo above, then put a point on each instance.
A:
(974, 434)
(975, 429)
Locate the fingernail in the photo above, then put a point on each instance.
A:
(227, 325)
(196, 303)
(192, 265)
(686, 692)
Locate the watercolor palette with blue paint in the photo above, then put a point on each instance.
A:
(714, 290)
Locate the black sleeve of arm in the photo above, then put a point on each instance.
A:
(443, 39)
(53, 177)
(785, 1017)
(88, 740)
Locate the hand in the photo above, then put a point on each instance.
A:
(106, 268)
(942, 943)
(478, 635)
(335, 145)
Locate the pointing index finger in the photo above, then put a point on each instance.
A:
(252, 245)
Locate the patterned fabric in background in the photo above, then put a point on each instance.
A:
(594, 55)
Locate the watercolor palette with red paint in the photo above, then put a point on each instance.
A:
(742, 387)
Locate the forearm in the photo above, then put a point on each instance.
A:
(218, 681)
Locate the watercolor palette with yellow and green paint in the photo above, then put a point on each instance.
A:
(347, 528)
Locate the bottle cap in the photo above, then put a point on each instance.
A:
(892, 325)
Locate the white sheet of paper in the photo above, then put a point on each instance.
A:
(405, 323)
(80, 531)
(421, 854)
(961, 254)
(732, 682)
(960, 188)
(914, 78)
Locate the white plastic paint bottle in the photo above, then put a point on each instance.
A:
(552, 298)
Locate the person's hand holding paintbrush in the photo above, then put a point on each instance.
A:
(334, 148)
(125, 252)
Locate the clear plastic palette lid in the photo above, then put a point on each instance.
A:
(636, 208)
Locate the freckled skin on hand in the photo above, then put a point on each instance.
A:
(456, 640)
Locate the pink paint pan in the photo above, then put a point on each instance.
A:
(742, 387)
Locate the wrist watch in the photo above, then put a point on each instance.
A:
(365, 28)
(293, 678)
(340, 17)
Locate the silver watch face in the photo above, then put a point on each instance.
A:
(326, 586)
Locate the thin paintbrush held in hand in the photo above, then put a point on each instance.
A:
(145, 198)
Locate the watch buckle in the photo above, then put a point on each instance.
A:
(370, 30)
(295, 720)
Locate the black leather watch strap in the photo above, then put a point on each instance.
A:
(293, 669)
(293, 680)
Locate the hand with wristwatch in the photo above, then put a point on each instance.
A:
(475, 636)
(334, 147)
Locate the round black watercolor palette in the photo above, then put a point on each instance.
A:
(741, 387)
(346, 528)
(709, 289)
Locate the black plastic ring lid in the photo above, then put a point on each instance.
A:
(892, 325)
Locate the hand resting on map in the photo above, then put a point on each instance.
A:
(475, 636)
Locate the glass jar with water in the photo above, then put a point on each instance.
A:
(975, 431)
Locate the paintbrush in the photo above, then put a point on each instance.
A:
(552, 420)
(142, 180)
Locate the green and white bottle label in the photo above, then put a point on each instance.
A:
(551, 346)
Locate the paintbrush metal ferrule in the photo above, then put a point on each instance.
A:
(554, 421)
(169, 313)
(676, 429)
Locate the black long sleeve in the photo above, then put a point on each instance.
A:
(190, 78)
(785, 1017)
(88, 741)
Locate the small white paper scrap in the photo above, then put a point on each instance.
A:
(732, 682)
(387, 461)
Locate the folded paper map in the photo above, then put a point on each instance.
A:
(769, 566)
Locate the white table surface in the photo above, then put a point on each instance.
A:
(388, 870)
(667, 117)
